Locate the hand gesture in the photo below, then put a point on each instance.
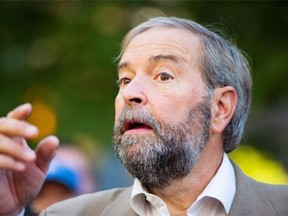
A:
(22, 170)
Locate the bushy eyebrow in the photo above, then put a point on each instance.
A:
(123, 65)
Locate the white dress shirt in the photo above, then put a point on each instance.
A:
(22, 212)
(216, 199)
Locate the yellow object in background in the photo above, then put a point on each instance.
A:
(259, 166)
(44, 118)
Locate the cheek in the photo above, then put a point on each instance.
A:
(119, 105)
(172, 110)
(174, 107)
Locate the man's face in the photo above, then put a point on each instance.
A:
(162, 119)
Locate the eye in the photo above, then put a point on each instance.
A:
(164, 76)
(123, 81)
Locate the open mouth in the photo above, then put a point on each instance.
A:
(135, 125)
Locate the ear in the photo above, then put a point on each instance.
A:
(224, 105)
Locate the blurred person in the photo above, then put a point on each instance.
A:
(183, 100)
(111, 173)
(69, 175)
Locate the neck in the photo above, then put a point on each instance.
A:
(182, 193)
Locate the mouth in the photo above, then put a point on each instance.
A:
(135, 126)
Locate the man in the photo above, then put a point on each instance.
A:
(184, 96)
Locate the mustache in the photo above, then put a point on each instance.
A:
(135, 115)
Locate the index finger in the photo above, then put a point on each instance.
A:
(20, 112)
(14, 127)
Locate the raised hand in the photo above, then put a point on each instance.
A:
(22, 170)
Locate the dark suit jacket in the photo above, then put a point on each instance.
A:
(251, 198)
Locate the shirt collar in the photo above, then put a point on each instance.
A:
(222, 187)
(138, 197)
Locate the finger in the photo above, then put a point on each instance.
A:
(21, 112)
(14, 127)
(15, 150)
(45, 152)
(9, 163)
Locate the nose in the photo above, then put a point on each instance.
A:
(134, 92)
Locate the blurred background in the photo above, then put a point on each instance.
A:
(59, 56)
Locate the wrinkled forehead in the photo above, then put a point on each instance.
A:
(180, 43)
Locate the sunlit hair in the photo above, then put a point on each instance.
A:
(222, 64)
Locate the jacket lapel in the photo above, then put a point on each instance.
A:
(121, 205)
(250, 198)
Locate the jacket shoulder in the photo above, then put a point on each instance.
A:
(89, 204)
(256, 198)
(277, 194)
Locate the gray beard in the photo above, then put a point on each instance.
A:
(169, 153)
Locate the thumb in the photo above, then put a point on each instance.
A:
(45, 152)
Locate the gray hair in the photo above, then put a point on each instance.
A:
(222, 64)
